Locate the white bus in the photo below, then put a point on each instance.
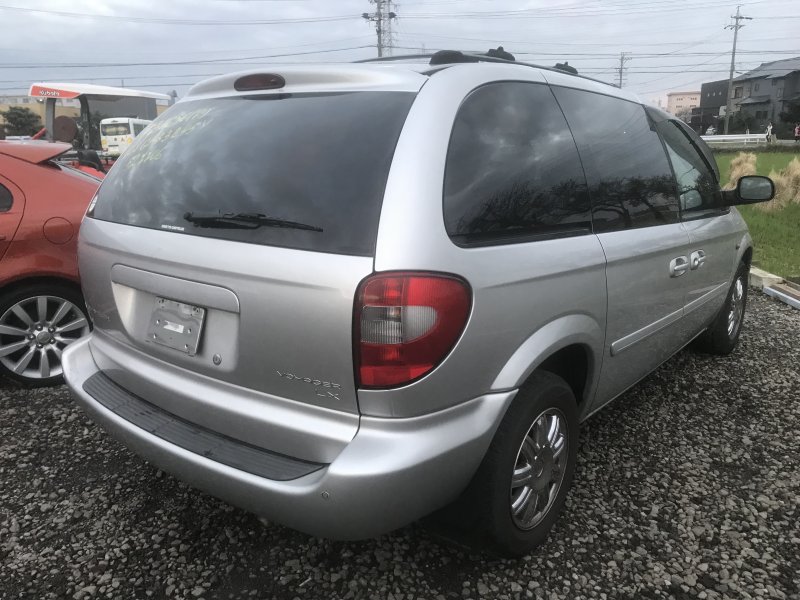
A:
(117, 133)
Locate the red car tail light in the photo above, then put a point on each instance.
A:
(405, 324)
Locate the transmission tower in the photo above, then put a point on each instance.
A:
(382, 17)
(736, 26)
(623, 58)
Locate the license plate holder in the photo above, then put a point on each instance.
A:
(176, 325)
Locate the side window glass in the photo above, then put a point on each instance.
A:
(6, 199)
(700, 145)
(630, 181)
(513, 173)
(697, 185)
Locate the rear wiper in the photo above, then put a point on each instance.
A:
(243, 221)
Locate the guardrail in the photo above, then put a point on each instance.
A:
(744, 139)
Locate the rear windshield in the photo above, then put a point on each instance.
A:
(115, 129)
(319, 160)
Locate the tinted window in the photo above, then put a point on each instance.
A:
(138, 128)
(316, 159)
(630, 181)
(6, 200)
(697, 186)
(512, 168)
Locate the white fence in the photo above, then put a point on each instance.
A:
(745, 139)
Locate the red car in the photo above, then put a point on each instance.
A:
(41, 306)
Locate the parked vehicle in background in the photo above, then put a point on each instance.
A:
(95, 101)
(406, 294)
(118, 133)
(42, 312)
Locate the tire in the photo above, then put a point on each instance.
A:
(37, 322)
(722, 336)
(484, 514)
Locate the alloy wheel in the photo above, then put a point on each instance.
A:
(539, 469)
(736, 311)
(35, 331)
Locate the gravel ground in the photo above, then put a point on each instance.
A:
(687, 487)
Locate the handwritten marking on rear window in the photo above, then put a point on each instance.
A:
(160, 134)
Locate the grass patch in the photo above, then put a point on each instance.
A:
(767, 161)
(776, 234)
(776, 237)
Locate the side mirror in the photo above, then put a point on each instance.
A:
(752, 189)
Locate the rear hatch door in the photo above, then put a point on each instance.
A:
(229, 240)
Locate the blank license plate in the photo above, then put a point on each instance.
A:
(176, 325)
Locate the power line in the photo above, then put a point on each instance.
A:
(185, 62)
(167, 21)
(575, 10)
(545, 13)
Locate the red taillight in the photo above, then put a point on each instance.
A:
(405, 324)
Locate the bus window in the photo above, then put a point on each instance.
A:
(114, 129)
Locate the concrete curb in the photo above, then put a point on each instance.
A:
(760, 279)
(776, 287)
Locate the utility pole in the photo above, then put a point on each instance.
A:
(623, 58)
(382, 17)
(736, 26)
(388, 32)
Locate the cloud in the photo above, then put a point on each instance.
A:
(44, 45)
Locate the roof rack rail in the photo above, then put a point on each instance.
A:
(393, 58)
(447, 57)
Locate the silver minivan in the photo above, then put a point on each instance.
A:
(347, 296)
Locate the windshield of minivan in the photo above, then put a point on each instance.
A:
(317, 159)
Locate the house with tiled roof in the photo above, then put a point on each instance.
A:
(766, 91)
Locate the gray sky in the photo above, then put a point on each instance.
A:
(170, 44)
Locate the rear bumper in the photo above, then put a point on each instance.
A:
(393, 472)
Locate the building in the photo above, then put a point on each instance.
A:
(760, 96)
(712, 106)
(766, 92)
(682, 102)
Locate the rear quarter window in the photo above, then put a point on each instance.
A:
(513, 172)
(317, 159)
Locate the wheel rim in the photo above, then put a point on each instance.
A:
(736, 311)
(34, 333)
(539, 469)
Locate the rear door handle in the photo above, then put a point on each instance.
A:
(697, 259)
(678, 266)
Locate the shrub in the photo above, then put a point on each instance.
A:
(742, 164)
(787, 186)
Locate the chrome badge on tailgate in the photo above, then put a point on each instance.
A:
(176, 325)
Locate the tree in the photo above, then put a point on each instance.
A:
(21, 121)
(792, 115)
(685, 115)
(742, 121)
